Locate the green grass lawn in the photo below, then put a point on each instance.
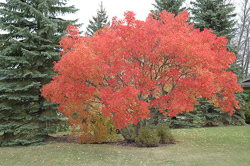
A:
(229, 146)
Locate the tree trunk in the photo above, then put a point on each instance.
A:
(137, 128)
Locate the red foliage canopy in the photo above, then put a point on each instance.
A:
(134, 65)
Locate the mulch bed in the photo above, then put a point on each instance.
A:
(69, 139)
(133, 144)
(61, 139)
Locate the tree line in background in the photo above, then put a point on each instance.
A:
(31, 45)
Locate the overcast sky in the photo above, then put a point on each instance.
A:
(88, 9)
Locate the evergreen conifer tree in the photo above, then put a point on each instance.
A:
(98, 21)
(28, 49)
(217, 15)
(173, 6)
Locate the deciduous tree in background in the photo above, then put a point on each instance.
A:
(242, 42)
(136, 66)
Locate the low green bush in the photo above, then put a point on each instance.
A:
(247, 115)
(147, 137)
(165, 135)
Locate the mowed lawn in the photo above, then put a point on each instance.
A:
(222, 146)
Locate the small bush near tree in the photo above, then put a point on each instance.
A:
(246, 107)
(91, 127)
(147, 137)
(165, 135)
(98, 129)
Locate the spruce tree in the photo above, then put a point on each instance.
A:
(98, 22)
(217, 15)
(173, 6)
(28, 49)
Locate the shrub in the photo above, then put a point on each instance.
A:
(147, 137)
(165, 135)
(246, 107)
(96, 129)
(247, 113)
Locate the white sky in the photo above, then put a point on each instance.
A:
(88, 9)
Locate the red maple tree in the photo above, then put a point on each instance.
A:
(134, 65)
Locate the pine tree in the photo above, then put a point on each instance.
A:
(29, 48)
(173, 6)
(98, 21)
(217, 15)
